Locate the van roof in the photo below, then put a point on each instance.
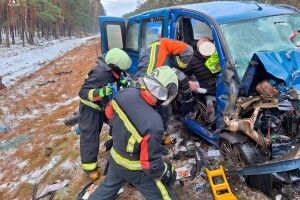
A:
(228, 11)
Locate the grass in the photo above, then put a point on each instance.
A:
(46, 127)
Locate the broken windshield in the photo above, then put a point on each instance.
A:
(269, 33)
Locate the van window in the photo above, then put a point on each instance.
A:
(114, 36)
(132, 38)
(151, 30)
(201, 29)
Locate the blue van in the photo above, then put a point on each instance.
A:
(258, 46)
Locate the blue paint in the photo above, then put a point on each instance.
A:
(227, 11)
(213, 14)
(284, 65)
(201, 131)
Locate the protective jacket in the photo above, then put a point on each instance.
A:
(164, 52)
(91, 113)
(97, 78)
(137, 133)
(205, 77)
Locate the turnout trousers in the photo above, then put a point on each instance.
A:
(116, 178)
(90, 124)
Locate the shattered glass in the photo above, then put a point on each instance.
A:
(267, 33)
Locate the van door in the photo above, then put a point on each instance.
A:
(112, 30)
(114, 34)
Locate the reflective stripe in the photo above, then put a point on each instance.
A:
(131, 129)
(90, 104)
(91, 94)
(89, 166)
(165, 170)
(152, 57)
(130, 145)
(163, 190)
(129, 164)
(180, 63)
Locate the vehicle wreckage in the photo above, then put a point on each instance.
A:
(260, 133)
(256, 124)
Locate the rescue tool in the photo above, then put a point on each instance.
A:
(217, 179)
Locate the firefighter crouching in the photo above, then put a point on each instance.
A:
(137, 132)
(94, 96)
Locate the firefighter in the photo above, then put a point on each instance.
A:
(94, 96)
(205, 67)
(137, 132)
(175, 54)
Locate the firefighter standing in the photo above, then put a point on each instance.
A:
(94, 96)
(137, 132)
(175, 54)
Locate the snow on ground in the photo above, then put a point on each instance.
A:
(36, 175)
(33, 177)
(18, 61)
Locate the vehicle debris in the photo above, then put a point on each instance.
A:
(200, 187)
(49, 190)
(183, 172)
(213, 153)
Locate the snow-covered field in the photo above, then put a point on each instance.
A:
(18, 61)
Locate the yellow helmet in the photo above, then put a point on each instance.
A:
(118, 58)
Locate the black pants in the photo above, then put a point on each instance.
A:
(90, 125)
(117, 176)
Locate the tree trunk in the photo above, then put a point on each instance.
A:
(0, 35)
(7, 36)
(30, 25)
(12, 33)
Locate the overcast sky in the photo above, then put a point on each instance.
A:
(118, 7)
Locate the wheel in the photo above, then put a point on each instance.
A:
(240, 155)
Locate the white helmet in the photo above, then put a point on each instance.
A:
(162, 83)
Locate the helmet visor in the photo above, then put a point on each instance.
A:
(156, 88)
(172, 93)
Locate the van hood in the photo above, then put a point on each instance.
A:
(281, 65)
(284, 65)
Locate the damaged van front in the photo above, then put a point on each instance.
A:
(260, 132)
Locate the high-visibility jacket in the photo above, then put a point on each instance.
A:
(137, 132)
(169, 52)
(97, 78)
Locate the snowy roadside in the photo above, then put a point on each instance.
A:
(18, 61)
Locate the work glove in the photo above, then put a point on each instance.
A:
(170, 175)
(125, 83)
(106, 91)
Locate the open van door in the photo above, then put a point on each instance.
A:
(112, 30)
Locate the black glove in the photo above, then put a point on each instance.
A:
(108, 144)
(170, 175)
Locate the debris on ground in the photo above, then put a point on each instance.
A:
(46, 83)
(50, 189)
(3, 128)
(48, 151)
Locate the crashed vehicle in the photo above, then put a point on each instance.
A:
(257, 111)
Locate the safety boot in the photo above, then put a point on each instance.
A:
(94, 175)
